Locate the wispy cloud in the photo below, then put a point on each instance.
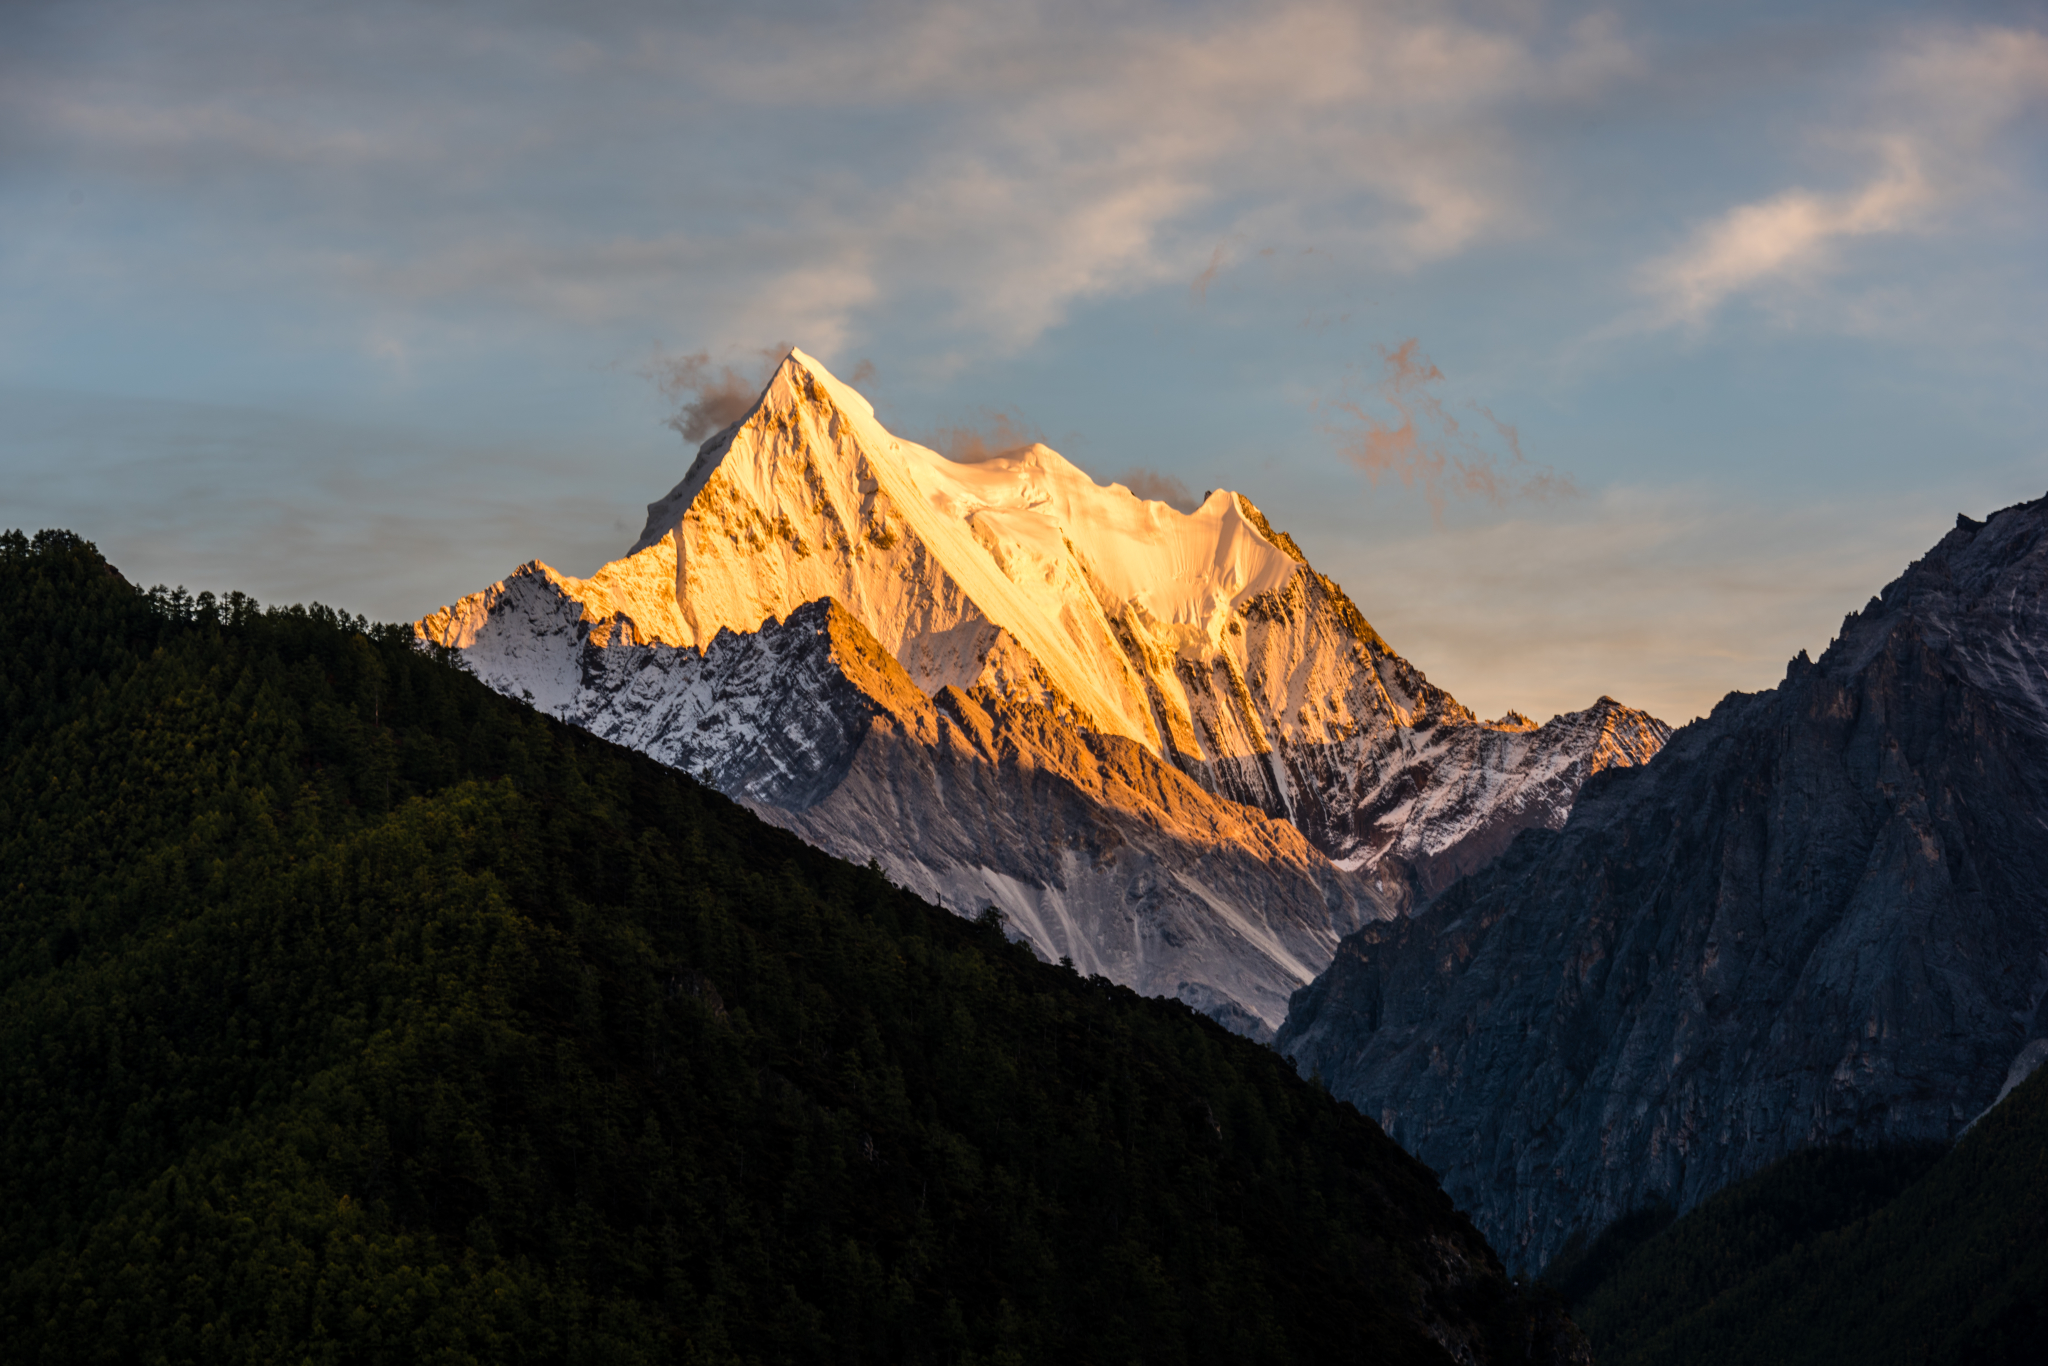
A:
(1431, 448)
(997, 435)
(997, 163)
(1158, 486)
(1927, 136)
(1198, 290)
(710, 397)
(1788, 235)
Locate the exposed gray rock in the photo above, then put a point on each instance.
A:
(1394, 774)
(1092, 847)
(1819, 914)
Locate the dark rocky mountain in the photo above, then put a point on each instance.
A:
(1820, 914)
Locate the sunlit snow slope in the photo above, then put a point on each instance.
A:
(1041, 631)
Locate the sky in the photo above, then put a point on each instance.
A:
(1592, 350)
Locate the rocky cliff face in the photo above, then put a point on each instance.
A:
(1093, 848)
(1161, 742)
(1819, 914)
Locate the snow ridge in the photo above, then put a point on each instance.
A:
(1074, 619)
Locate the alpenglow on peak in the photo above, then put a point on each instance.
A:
(809, 496)
(1183, 674)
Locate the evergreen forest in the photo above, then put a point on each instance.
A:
(350, 1012)
(1923, 1255)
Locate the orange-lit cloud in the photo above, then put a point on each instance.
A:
(1218, 259)
(1431, 449)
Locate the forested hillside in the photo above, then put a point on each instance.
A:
(350, 1012)
(1860, 1257)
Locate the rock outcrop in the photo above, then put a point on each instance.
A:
(1163, 744)
(1820, 914)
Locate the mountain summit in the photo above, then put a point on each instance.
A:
(961, 571)
(1159, 741)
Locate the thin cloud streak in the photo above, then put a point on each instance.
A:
(1787, 235)
(1431, 449)
(1199, 289)
(1007, 162)
(1942, 101)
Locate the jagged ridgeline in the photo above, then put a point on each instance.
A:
(1819, 916)
(349, 1011)
(1158, 739)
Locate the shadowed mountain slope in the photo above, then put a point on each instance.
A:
(352, 1012)
(1819, 915)
(1870, 1257)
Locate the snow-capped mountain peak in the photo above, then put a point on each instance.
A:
(1063, 629)
(1020, 570)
